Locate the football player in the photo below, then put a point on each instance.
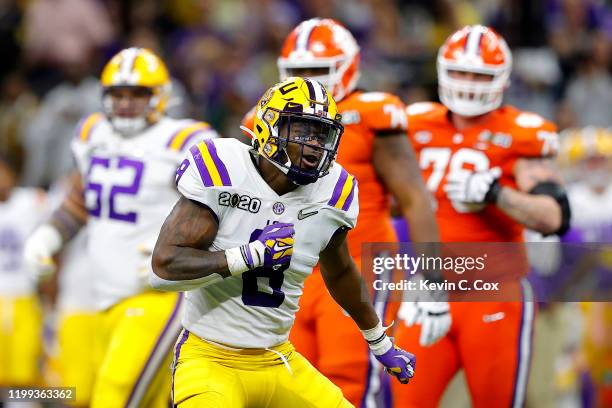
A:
(489, 170)
(76, 321)
(69, 361)
(250, 227)
(374, 148)
(21, 210)
(126, 157)
(587, 154)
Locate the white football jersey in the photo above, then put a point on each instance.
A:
(589, 209)
(129, 189)
(19, 215)
(75, 289)
(257, 308)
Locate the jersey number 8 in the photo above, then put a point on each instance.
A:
(251, 295)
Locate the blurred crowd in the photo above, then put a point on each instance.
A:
(222, 54)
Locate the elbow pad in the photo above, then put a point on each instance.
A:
(557, 192)
(182, 285)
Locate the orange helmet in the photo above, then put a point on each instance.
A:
(326, 45)
(479, 50)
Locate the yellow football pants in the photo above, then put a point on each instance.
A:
(76, 364)
(206, 375)
(20, 341)
(134, 345)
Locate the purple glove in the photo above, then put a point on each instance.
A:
(398, 363)
(272, 248)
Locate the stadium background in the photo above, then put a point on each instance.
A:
(222, 55)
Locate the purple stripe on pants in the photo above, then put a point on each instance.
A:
(177, 353)
(163, 334)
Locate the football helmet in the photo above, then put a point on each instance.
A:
(477, 50)
(586, 154)
(325, 46)
(297, 129)
(136, 68)
(580, 144)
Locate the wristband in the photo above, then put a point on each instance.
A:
(245, 257)
(493, 194)
(377, 339)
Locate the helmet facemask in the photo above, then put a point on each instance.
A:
(470, 97)
(131, 117)
(301, 145)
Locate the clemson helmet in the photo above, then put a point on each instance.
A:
(322, 45)
(136, 68)
(297, 129)
(479, 50)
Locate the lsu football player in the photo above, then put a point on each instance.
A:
(586, 154)
(374, 148)
(69, 360)
(489, 168)
(126, 157)
(76, 321)
(249, 229)
(21, 210)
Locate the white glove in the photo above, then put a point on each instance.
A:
(470, 187)
(38, 252)
(434, 318)
(426, 309)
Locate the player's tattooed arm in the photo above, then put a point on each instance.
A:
(396, 165)
(181, 252)
(344, 282)
(539, 212)
(71, 216)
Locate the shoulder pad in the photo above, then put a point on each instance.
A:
(382, 112)
(344, 191)
(534, 136)
(87, 125)
(529, 120)
(211, 168)
(420, 108)
(186, 134)
(373, 97)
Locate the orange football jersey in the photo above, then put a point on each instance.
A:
(363, 115)
(505, 136)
